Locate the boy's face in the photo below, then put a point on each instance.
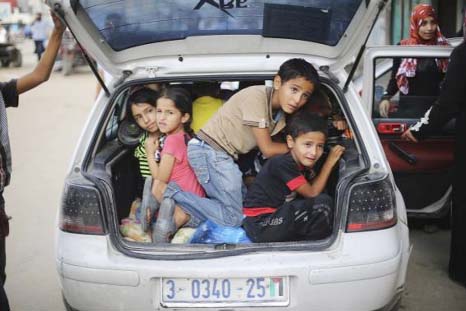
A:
(145, 116)
(307, 148)
(293, 94)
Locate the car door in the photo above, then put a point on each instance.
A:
(422, 170)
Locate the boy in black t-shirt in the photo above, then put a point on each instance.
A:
(272, 212)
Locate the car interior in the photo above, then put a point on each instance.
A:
(113, 159)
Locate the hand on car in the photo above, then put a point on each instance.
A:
(340, 125)
(59, 26)
(407, 135)
(335, 154)
(384, 108)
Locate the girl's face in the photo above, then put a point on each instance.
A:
(169, 119)
(428, 29)
(145, 116)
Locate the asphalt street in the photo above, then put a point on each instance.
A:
(44, 131)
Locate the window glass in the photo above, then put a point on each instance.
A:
(124, 24)
(118, 113)
(405, 88)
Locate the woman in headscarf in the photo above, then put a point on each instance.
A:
(452, 104)
(417, 80)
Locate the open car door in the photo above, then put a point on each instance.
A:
(422, 170)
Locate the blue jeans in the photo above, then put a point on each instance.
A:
(222, 181)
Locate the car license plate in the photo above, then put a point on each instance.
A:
(199, 292)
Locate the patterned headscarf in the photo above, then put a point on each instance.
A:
(407, 67)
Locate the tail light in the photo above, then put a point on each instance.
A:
(81, 210)
(371, 206)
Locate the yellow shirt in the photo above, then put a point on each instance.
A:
(204, 108)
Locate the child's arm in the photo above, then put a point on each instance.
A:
(165, 167)
(268, 147)
(318, 184)
(151, 145)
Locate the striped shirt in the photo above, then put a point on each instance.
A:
(140, 154)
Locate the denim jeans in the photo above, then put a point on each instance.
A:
(222, 181)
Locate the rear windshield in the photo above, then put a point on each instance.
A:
(125, 24)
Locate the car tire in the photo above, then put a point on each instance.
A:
(67, 305)
(5, 63)
(18, 61)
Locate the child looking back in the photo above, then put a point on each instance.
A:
(272, 215)
(248, 119)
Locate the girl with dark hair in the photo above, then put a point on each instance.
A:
(174, 110)
(142, 110)
(417, 80)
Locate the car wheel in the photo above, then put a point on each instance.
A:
(18, 61)
(67, 305)
(5, 63)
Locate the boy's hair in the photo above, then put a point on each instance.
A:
(319, 103)
(304, 121)
(206, 88)
(296, 68)
(183, 103)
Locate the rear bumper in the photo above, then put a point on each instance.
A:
(92, 274)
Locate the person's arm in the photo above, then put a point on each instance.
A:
(310, 190)
(171, 151)
(151, 145)
(41, 72)
(268, 147)
(452, 95)
(392, 89)
(165, 167)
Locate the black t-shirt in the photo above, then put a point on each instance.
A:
(9, 93)
(276, 181)
(10, 99)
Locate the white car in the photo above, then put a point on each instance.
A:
(360, 266)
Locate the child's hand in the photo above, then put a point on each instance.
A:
(340, 125)
(151, 145)
(335, 154)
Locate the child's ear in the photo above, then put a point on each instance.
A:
(289, 141)
(277, 82)
(185, 118)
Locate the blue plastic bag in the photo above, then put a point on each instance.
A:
(212, 233)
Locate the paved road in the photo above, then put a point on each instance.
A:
(44, 131)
